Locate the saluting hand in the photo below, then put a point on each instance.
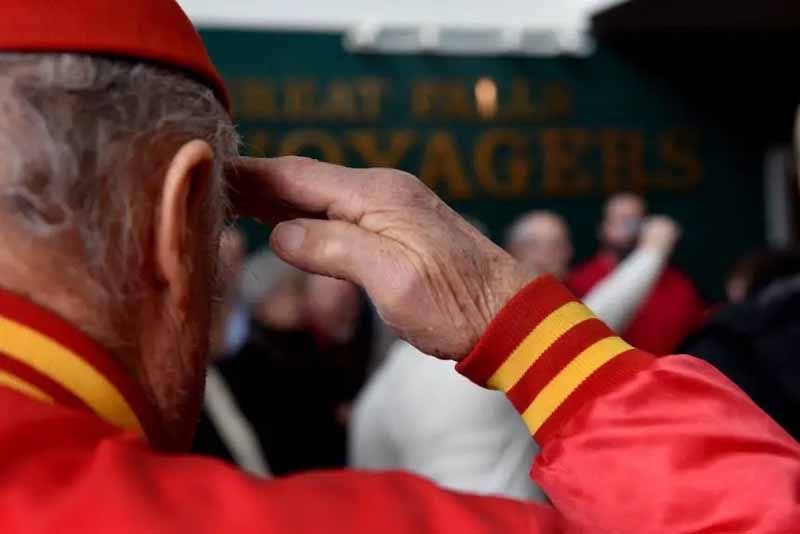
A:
(433, 277)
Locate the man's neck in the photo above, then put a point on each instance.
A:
(46, 358)
(62, 288)
(46, 271)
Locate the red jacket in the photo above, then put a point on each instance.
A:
(630, 444)
(669, 314)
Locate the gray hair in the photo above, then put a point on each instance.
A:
(84, 140)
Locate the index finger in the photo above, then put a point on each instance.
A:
(277, 189)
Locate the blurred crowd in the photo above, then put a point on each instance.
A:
(363, 398)
(283, 335)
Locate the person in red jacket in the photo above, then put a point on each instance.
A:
(673, 309)
(107, 269)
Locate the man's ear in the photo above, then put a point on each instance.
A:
(186, 186)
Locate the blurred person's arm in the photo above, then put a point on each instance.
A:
(235, 431)
(417, 414)
(618, 297)
(370, 443)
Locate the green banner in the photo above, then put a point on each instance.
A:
(496, 137)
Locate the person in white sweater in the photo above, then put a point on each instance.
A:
(405, 417)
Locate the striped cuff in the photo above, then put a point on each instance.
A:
(550, 355)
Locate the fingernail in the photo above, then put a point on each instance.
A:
(291, 236)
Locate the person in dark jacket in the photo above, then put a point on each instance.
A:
(754, 341)
(303, 329)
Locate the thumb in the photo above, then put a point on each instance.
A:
(330, 248)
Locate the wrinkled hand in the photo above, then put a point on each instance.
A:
(433, 278)
(660, 233)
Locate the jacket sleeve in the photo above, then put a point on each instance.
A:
(124, 487)
(417, 414)
(375, 412)
(630, 443)
(617, 298)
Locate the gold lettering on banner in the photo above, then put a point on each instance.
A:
(558, 101)
(520, 103)
(442, 169)
(679, 151)
(562, 152)
(340, 101)
(457, 101)
(314, 142)
(371, 92)
(257, 99)
(442, 99)
(299, 99)
(553, 102)
(423, 96)
(368, 147)
(518, 167)
(623, 160)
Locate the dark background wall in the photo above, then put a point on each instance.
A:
(566, 132)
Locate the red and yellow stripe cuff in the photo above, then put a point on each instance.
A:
(550, 355)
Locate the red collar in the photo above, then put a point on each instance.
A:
(44, 357)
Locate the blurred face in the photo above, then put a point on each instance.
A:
(282, 308)
(736, 288)
(622, 222)
(542, 243)
(333, 307)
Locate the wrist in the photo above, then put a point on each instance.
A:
(550, 355)
(478, 304)
(508, 278)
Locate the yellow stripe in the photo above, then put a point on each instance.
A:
(568, 380)
(539, 340)
(68, 369)
(23, 387)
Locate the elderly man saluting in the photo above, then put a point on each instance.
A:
(115, 145)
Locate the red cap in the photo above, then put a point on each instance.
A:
(156, 31)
